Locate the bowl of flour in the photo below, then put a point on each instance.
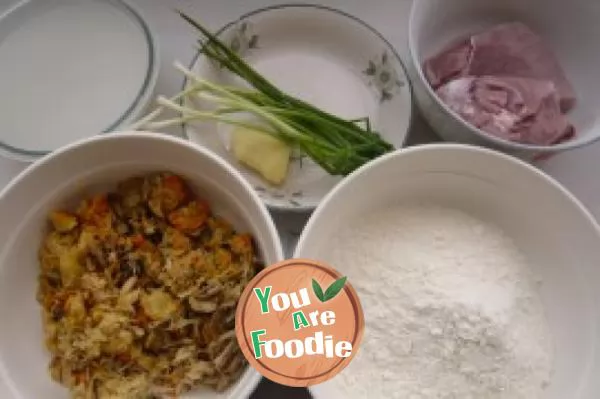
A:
(477, 274)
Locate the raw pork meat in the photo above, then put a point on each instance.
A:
(518, 109)
(510, 49)
(452, 63)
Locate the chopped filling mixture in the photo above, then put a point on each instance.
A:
(139, 289)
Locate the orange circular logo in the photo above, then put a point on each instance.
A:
(299, 322)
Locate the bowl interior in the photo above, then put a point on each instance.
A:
(569, 31)
(103, 56)
(556, 234)
(66, 178)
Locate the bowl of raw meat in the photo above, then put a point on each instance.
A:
(516, 76)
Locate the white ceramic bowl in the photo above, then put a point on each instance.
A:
(100, 55)
(67, 175)
(571, 30)
(555, 231)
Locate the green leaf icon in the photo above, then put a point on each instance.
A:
(335, 288)
(331, 292)
(318, 290)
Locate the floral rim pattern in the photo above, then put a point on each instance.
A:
(384, 77)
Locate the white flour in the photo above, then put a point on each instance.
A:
(451, 309)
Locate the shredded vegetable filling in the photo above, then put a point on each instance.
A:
(139, 288)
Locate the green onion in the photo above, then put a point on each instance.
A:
(339, 146)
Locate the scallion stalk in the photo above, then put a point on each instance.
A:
(339, 146)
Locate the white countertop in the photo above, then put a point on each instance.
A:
(575, 169)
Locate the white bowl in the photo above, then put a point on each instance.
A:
(65, 58)
(67, 175)
(557, 234)
(570, 30)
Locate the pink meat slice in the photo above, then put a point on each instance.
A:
(510, 49)
(521, 110)
(450, 64)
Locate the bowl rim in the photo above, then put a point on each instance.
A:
(318, 7)
(320, 391)
(141, 98)
(414, 58)
(250, 379)
(438, 147)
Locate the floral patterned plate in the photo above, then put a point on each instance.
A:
(326, 57)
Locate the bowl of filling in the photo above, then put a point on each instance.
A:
(516, 76)
(476, 272)
(122, 261)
